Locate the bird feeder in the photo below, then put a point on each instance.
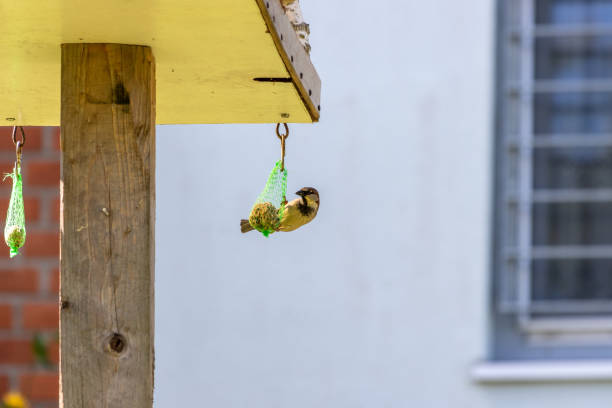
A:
(107, 72)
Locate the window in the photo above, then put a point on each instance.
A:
(553, 240)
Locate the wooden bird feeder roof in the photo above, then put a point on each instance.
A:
(217, 61)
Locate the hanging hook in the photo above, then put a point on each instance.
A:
(286, 135)
(18, 146)
(282, 138)
(23, 136)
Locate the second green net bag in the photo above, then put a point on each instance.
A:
(14, 230)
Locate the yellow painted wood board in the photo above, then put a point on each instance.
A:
(207, 53)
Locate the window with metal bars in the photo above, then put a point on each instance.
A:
(553, 241)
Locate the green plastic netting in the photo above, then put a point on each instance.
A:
(267, 212)
(14, 230)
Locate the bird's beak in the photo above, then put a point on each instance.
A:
(300, 193)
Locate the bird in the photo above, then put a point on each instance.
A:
(296, 213)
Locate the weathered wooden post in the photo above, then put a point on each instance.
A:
(125, 66)
(107, 225)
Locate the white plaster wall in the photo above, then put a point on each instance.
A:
(382, 300)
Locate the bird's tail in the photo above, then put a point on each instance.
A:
(245, 226)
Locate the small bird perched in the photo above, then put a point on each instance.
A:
(296, 213)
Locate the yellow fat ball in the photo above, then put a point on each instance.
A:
(264, 217)
(14, 400)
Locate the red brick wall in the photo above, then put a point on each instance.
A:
(29, 283)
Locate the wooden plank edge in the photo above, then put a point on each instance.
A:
(297, 61)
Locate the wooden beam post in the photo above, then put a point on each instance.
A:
(107, 226)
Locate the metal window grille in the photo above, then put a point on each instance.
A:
(553, 254)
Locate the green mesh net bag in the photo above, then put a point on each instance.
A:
(14, 230)
(267, 212)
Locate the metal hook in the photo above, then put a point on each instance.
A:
(23, 136)
(18, 146)
(282, 138)
(286, 135)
